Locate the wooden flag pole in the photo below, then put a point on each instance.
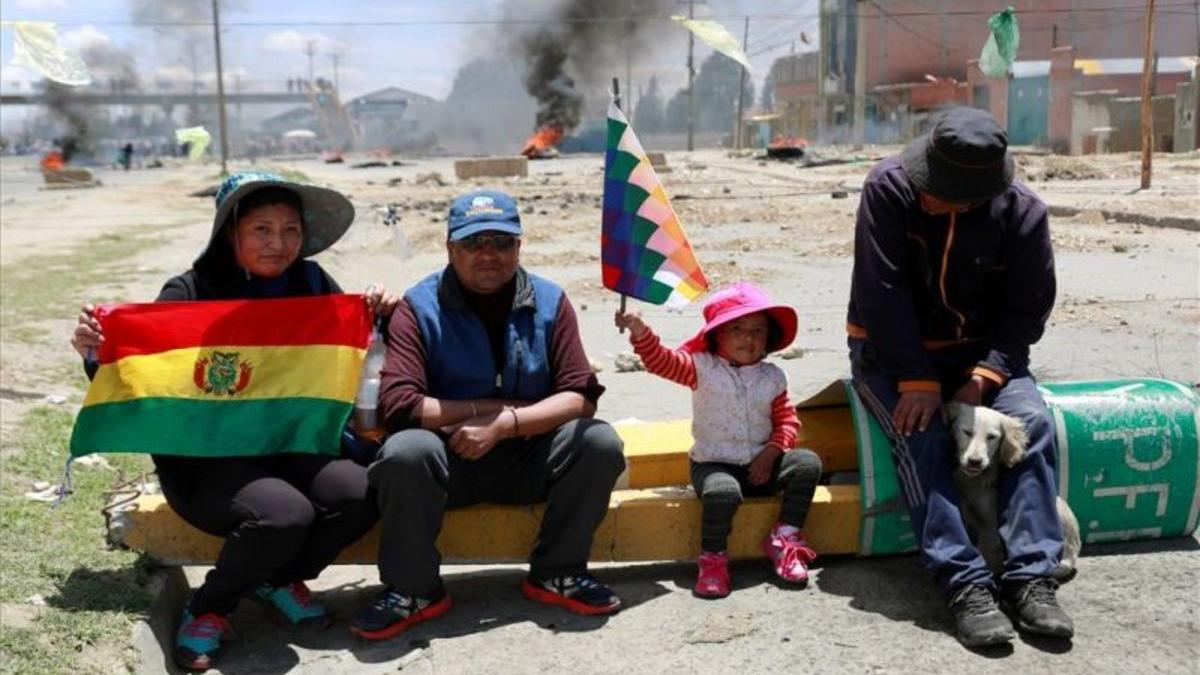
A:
(616, 91)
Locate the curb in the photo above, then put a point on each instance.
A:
(1173, 222)
(152, 636)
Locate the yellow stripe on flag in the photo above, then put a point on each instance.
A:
(232, 374)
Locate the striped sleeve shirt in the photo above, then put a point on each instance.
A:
(678, 366)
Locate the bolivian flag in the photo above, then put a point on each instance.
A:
(225, 378)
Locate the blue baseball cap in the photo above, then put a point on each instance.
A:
(483, 211)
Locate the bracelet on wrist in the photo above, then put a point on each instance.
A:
(516, 421)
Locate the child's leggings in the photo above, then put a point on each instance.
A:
(721, 487)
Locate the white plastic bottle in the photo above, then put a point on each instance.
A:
(366, 403)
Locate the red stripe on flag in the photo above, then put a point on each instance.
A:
(133, 329)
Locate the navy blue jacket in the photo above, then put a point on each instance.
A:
(459, 357)
(981, 280)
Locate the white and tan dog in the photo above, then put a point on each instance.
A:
(985, 439)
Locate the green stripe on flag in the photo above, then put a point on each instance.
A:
(657, 292)
(616, 129)
(623, 164)
(199, 428)
(634, 196)
(650, 262)
(642, 230)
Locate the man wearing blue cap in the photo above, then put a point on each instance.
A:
(490, 397)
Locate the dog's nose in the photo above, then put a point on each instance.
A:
(974, 463)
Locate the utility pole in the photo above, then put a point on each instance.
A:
(630, 27)
(860, 75)
(310, 48)
(737, 127)
(237, 91)
(1147, 110)
(691, 113)
(220, 91)
(335, 58)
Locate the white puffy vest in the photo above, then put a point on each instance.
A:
(731, 408)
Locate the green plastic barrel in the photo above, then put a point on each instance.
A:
(1128, 461)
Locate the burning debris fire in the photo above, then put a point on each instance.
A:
(53, 160)
(541, 144)
(787, 146)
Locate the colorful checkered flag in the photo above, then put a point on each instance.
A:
(643, 252)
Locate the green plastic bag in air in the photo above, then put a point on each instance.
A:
(1001, 48)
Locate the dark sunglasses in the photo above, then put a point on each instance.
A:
(498, 242)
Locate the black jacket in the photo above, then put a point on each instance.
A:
(981, 280)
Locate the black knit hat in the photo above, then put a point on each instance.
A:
(963, 159)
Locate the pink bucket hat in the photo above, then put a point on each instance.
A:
(736, 301)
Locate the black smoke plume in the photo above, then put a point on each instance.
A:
(546, 80)
(582, 42)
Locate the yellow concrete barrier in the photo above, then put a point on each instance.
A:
(653, 524)
(652, 515)
(656, 452)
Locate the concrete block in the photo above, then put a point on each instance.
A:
(641, 525)
(653, 514)
(67, 175)
(498, 167)
(656, 452)
(658, 160)
(153, 635)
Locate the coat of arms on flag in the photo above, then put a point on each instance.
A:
(225, 378)
(644, 253)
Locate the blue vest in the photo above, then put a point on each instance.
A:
(458, 355)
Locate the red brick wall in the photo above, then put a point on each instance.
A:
(942, 39)
(997, 91)
(785, 92)
(1062, 85)
(933, 95)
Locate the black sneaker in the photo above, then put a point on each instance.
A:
(1035, 606)
(579, 593)
(393, 612)
(978, 621)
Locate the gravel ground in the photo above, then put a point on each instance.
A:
(1128, 306)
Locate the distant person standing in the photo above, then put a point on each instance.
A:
(125, 157)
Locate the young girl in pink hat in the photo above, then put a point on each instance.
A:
(743, 424)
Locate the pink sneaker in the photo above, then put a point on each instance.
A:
(790, 553)
(713, 579)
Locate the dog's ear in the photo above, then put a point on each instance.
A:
(953, 409)
(1012, 441)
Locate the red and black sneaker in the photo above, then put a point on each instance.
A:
(579, 593)
(393, 612)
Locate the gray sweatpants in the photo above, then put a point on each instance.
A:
(416, 478)
(721, 487)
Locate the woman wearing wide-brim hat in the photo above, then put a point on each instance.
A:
(284, 517)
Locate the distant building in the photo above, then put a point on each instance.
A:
(919, 56)
(394, 118)
(296, 118)
(798, 100)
